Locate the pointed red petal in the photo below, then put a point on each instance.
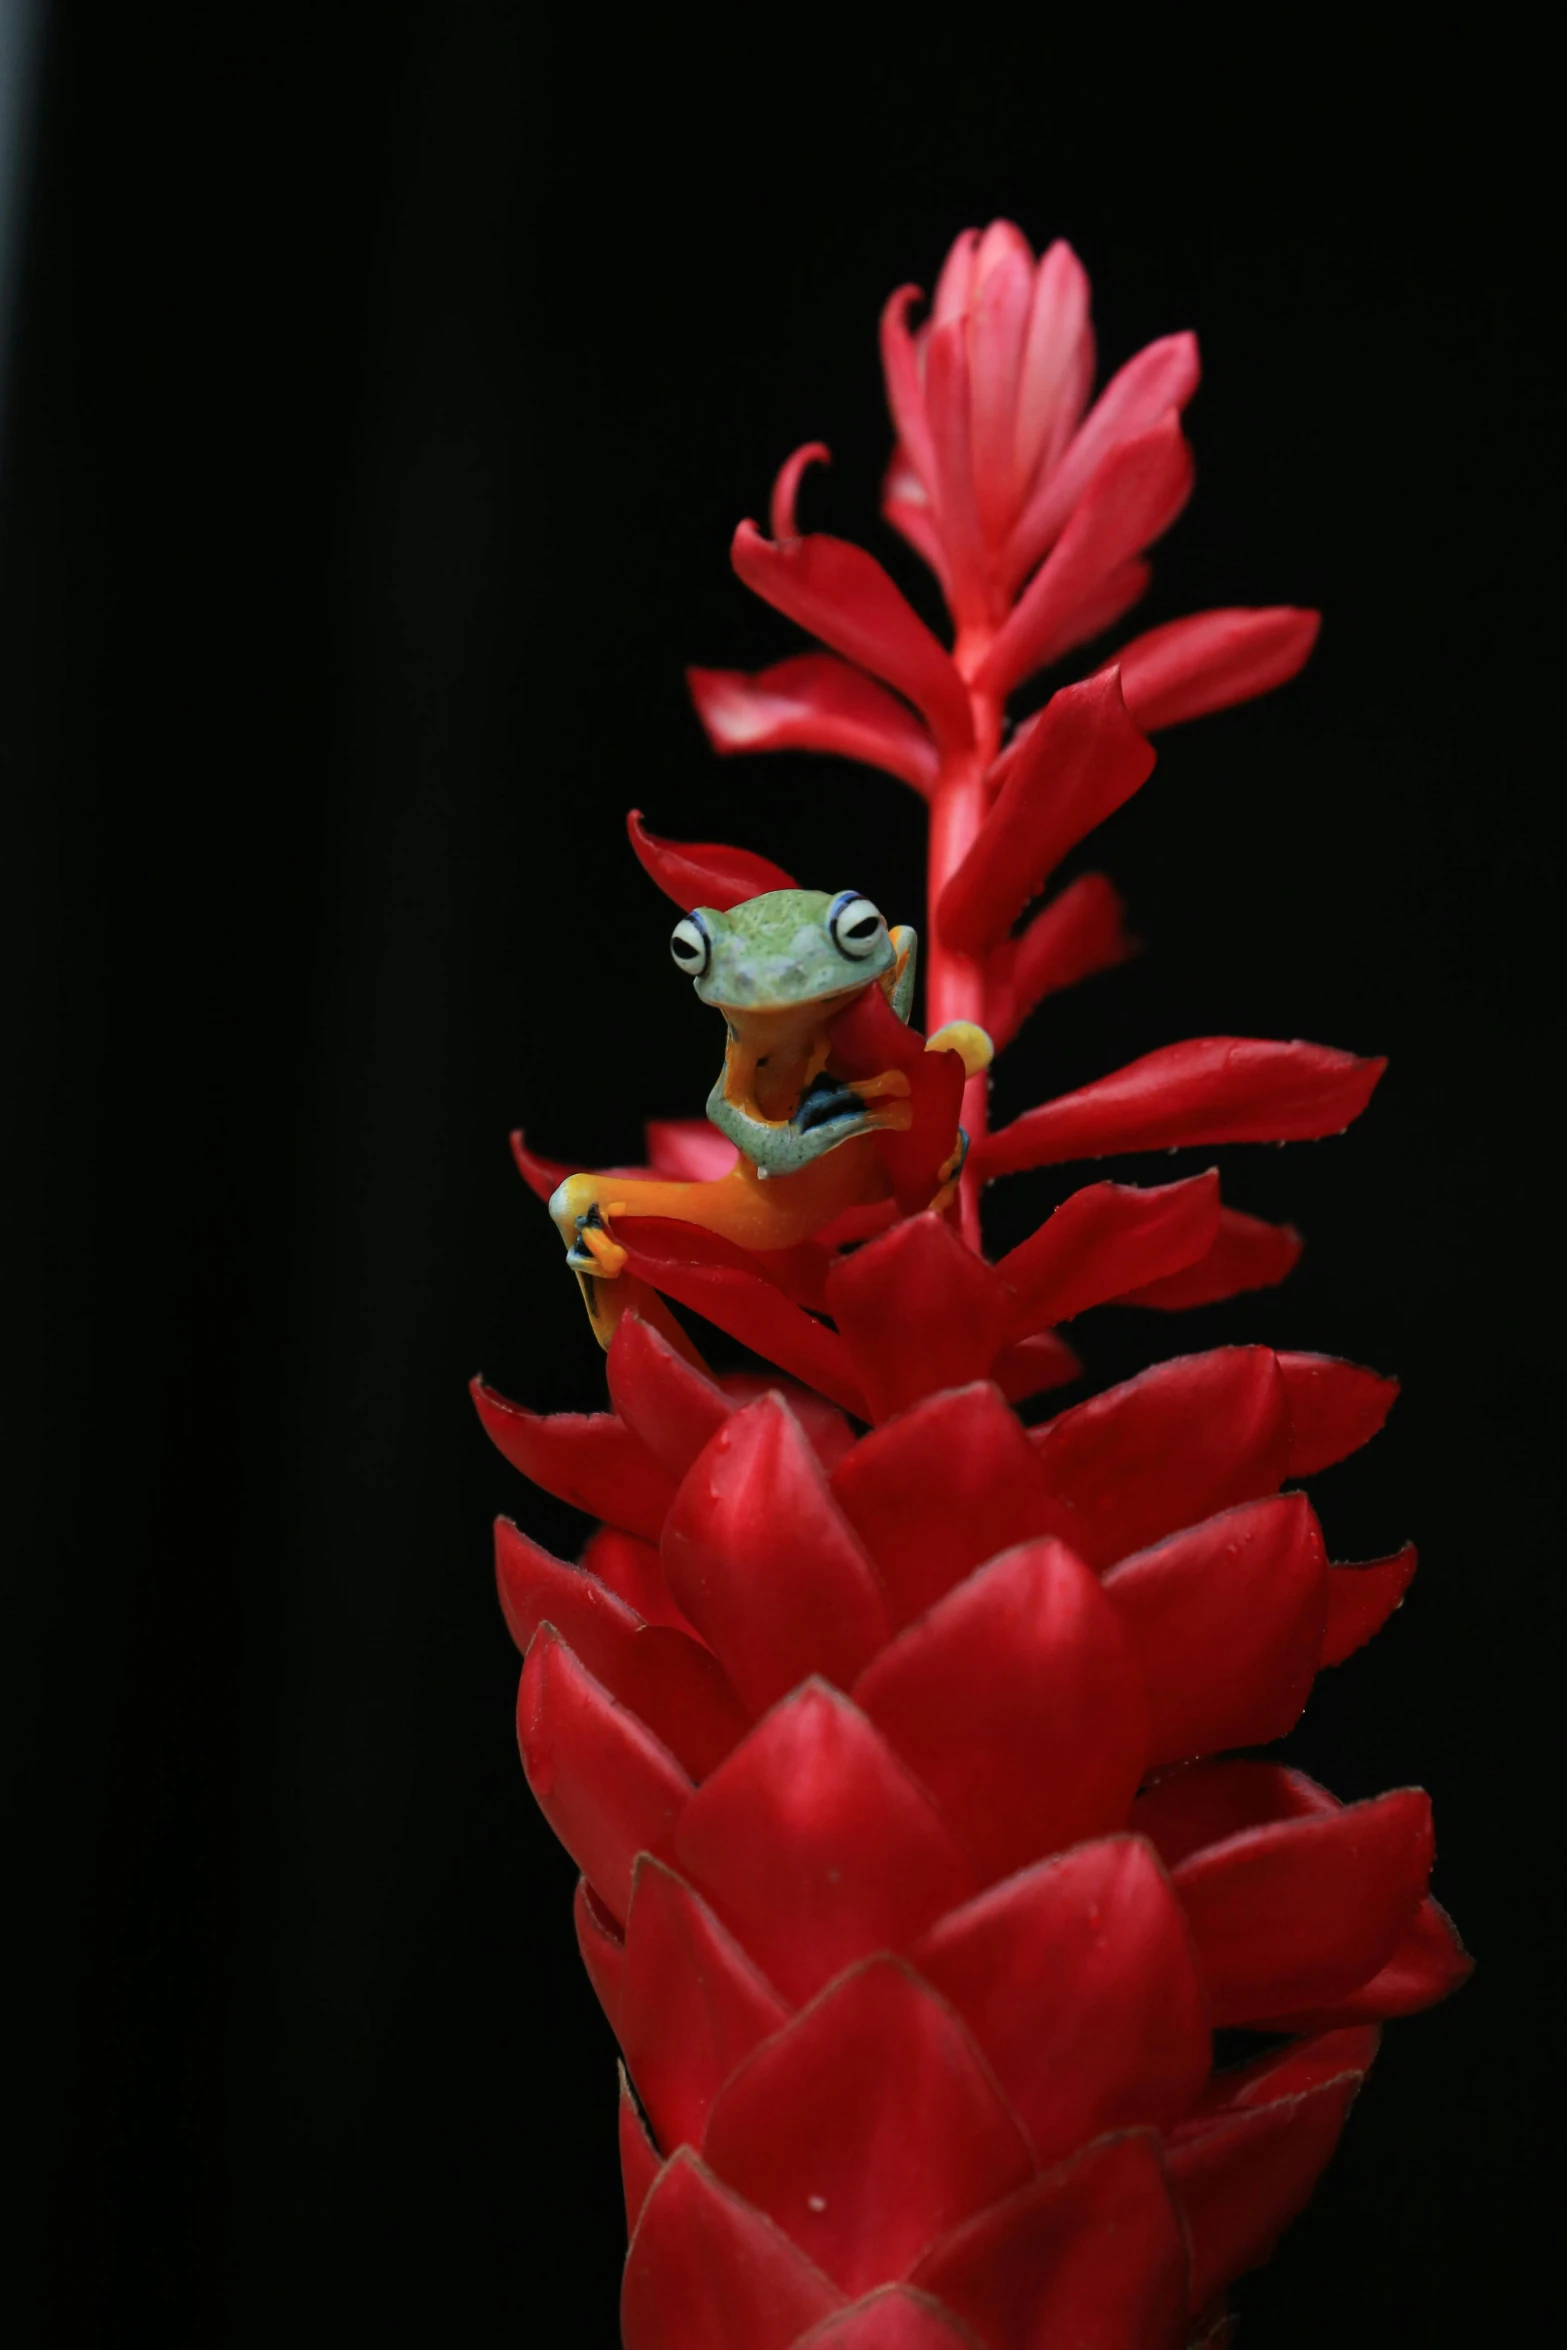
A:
(1134, 496)
(918, 1311)
(830, 1433)
(1210, 660)
(542, 1176)
(1034, 1365)
(706, 2271)
(906, 506)
(688, 1150)
(936, 1492)
(1285, 2072)
(1187, 1810)
(691, 2006)
(534, 1586)
(672, 1406)
(589, 1459)
(718, 1280)
(1016, 1703)
(800, 1271)
(815, 1845)
(948, 406)
(1296, 1913)
(1105, 1240)
(673, 1685)
(1057, 368)
(1245, 1253)
(1161, 377)
(1081, 761)
(905, 390)
(895, 2318)
(1099, 607)
(869, 1038)
(639, 2157)
(602, 1947)
(676, 1685)
(1091, 2254)
(1176, 1444)
(630, 1568)
(703, 872)
(1226, 1622)
(1428, 1962)
(605, 1784)
(867, 2126)
(996, 329)
(1241, 2182)
(1080, 932)
(1335, 1408)
(862, 1223)
(1209, 1090)
(786, 489)
(955, 286)
(763, 1562)
(843, 596)
(1361, 1598)
(814, 703)
(1078, 1980)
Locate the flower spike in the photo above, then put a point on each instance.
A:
(905, 1750)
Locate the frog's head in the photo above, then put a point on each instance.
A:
(791, 946)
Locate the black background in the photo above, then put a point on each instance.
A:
(384, 393)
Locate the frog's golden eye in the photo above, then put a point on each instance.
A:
(691, 946)
(855, 926)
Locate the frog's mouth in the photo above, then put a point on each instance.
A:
(811, 1011)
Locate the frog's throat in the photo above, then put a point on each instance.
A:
(772, 1056)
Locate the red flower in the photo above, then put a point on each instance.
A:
(894, 1740)
(901, 1890)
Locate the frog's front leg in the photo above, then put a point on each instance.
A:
(829, 1112)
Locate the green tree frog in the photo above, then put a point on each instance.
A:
(780, 967)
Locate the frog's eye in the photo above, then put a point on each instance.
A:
(691, 946)
(855, 926)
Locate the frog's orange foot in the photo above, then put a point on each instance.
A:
(948, 1176)
(579, 1219)
(968, 1040)
(593, 1251)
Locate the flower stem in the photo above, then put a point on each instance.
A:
(954, 983)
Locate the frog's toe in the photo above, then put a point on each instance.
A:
(570, 1204)
(969, 1041)
(591, 1249)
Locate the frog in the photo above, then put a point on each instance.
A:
(780, 967)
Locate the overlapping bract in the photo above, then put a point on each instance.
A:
(903, 1748)
(909, 1884)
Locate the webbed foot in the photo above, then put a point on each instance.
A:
(579, 1220)
(825, 1102)
(593, 1251)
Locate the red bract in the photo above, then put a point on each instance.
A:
(896, 1741)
